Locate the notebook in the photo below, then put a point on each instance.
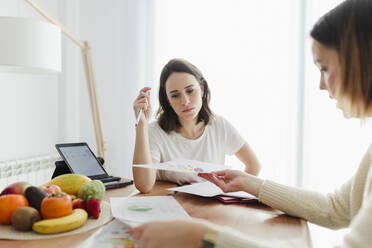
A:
(81, 160)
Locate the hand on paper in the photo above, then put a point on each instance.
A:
(227, 180)
(234, 180)
(170, 234)
(143, 102)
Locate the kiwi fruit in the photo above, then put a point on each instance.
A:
(24, 217)
(35, 196)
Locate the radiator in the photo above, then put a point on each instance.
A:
(35, 170)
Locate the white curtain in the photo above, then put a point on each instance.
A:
(248, 53)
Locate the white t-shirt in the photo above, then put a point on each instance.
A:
(218, 139)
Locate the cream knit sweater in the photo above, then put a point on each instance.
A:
(349, 206)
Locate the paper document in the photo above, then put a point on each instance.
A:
(184, 165)
(138, 210)
(112, 235)
(208, 189)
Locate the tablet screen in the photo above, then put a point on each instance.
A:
(81, 160)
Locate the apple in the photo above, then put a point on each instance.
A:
(18, 188)
(51, 189)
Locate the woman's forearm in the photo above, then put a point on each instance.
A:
(144, 178)
(249, 158)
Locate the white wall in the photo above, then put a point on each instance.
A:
(119, 33)
(39, 111)
(69, 89)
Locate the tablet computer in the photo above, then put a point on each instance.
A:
(81, 160)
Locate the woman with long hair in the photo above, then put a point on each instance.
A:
(185, 128)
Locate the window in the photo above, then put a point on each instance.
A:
(248, 53)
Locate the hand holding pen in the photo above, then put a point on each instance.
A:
(142, 105)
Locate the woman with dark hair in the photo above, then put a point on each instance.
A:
(185, 128)
(342, 50)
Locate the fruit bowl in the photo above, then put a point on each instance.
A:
(8, 232)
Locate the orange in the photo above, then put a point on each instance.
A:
(9, 204)
(55, 206)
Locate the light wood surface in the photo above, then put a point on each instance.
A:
(255, 219)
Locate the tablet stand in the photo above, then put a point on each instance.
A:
(62, 168)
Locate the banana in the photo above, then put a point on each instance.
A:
(69, 183)
(77, 218)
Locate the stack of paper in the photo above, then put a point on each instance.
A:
(130, 212)
(184, 165)
(135, 211)
(208, 189)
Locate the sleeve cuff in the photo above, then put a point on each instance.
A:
(272, 193)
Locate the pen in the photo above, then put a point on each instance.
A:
(140, 111)
(138, 117)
